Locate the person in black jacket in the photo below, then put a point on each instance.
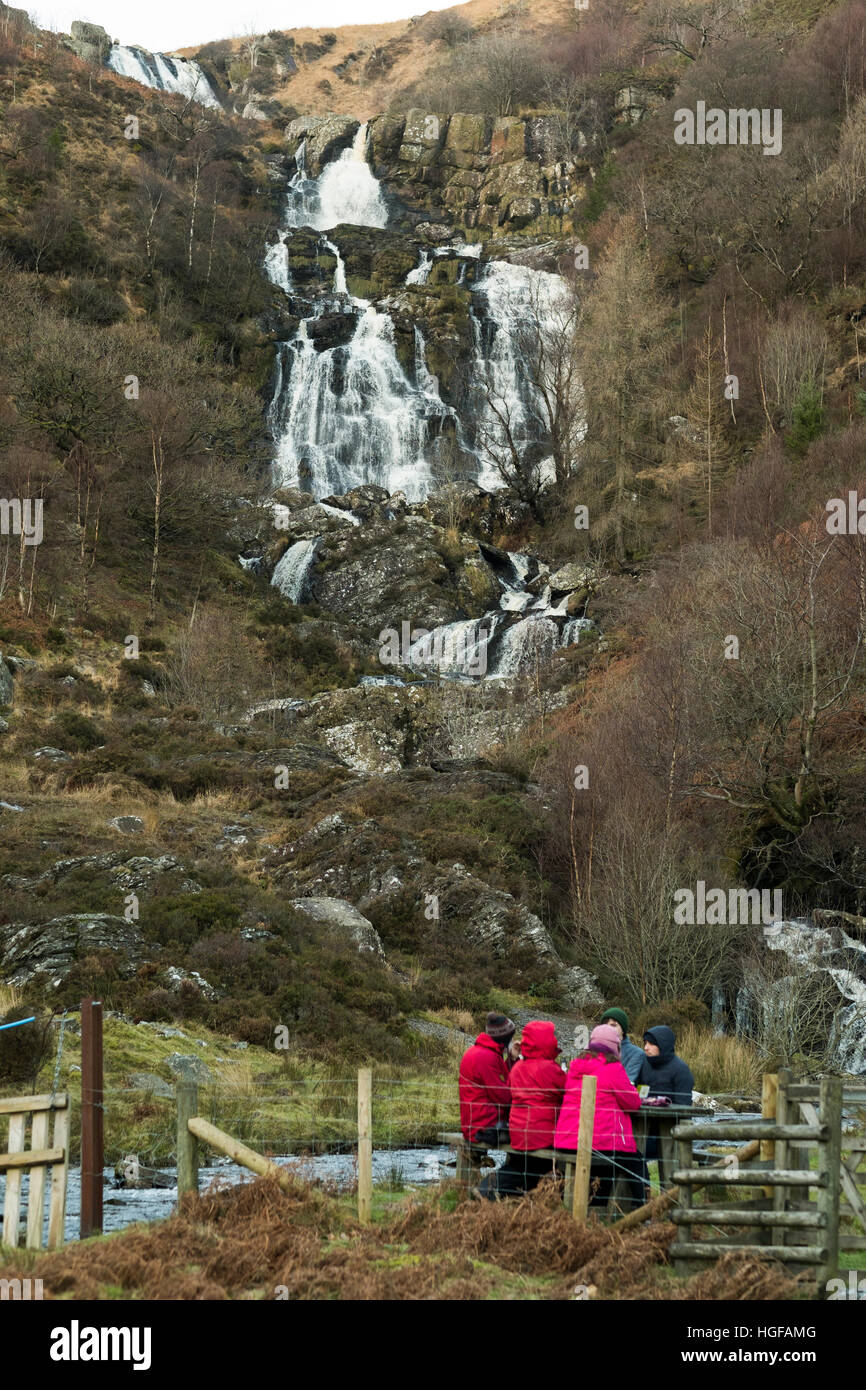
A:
(663, 1071)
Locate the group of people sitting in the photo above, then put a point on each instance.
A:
(518, 1094)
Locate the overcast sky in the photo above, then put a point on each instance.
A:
(162, 25)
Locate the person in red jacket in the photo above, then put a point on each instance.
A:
(537, 1082)
(483, 1084)
(614, 1152)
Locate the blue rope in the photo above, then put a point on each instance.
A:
(18, 1023)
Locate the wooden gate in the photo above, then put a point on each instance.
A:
(46, 1151)
(785, 1223)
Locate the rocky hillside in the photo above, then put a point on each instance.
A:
(358, 69)
(433, 577)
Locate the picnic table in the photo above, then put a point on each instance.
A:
(650, 1121)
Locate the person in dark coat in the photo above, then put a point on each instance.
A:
(536, 1083)
(631, 1056)
(663, 1071)
(483, 1084)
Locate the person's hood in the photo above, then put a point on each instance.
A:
(539, 1040)
(665, 1041)
(485, 1040)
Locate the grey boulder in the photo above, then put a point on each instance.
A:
(343, 917)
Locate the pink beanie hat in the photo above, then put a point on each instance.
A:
(606, 1039)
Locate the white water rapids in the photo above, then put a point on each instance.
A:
(166, 74)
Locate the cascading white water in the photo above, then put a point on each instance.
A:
(291, 573)
(513, 299)
(166, 74)
(277, 264)
(349, 415)
(456, 649)
(345, 191)
(525, 645)
(340, 286)
(814, 950)
(421, 274)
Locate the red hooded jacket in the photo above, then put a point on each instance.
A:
(483, 1086)
(537, 1084)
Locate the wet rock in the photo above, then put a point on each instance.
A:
(331, 330)
(325, 137)
(131, 1173)
(51, 755)
(53, 948)
(344, 918)
(434, 233)
(127, 825)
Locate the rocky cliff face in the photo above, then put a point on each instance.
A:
(483, 175)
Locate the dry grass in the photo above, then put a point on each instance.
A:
(725, 1065)
(9, 999)
(263, 1241)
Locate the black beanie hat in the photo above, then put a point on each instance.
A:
(500, 1028)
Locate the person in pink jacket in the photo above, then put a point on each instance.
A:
(614, 1152)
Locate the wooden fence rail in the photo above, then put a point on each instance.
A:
(48, 1118)
(783, 1221)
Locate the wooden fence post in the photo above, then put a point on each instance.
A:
(583, 1157)
(769, 1093)
(365, 1145)
(92, 1127)
(187, 1144)
(830, 1114)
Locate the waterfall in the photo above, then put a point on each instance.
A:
(345, 191)
(421, 274)
(340, 286)
(813, 951)
(291, 573)
(512, 299)
(166, 74)
(525, 645)
(455, 649)
(348, 415)
(277, 263)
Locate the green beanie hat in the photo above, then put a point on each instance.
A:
(619, 1015)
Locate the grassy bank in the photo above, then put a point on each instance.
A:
(261, 1241)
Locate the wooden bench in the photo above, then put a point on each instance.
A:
(469, 1168)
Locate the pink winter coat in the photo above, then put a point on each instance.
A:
(615, 1096)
